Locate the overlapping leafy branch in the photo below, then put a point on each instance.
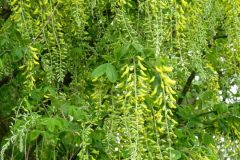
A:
(91, 79)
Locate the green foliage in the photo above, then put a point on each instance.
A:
(107, 68)
(120, 79)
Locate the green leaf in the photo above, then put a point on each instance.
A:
(111, 73)
(138, 47)
(1, 64)
(34, 135)
(207, 139)
(17, 53)
(77, 50)
(221, 108)
(52, 123)
(223, 125)
(176, 154)
(124, 50)
(109, 58)
(99, 71)
(76, 112)
(3, 40)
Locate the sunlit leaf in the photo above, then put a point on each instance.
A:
(111, 73)
(99, 71)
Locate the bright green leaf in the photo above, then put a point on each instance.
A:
(138, 47)
(176, 154)
(99, 71)
(33, 135)
(111, 73)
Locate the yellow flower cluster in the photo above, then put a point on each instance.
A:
(31, 62)
(144, 96)
(165, 100)
(154, 98)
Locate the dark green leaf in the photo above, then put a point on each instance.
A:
(207, 139)
(124, 50)
(17, 53)
(1, 63)
(223, 125)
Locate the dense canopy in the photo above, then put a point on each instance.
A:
(120, 79)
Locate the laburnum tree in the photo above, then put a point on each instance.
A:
(119, 79)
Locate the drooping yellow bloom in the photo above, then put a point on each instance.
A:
(154, 91)
(184, 3)
(141, 66)
(167, 69)
(140, 58)
(152, 79)
(125, 72)
(33, 49)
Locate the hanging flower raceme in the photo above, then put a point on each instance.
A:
(29, 72)
(145, 108)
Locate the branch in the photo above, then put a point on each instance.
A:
(31, 150)
(186, 88)
(220, 36)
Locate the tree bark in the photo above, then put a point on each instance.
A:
(186, 88)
